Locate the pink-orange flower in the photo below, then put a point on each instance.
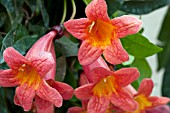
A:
(144, 100)
(100, 34)
(106, 87)
(30, 73)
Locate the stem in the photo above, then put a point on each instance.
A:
(64, 11)
(74, 9)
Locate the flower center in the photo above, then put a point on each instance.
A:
(27, 74)
(101, 33)
(143, 103)
(105, 87)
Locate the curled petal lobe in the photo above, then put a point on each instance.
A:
(42, 62)
(100, 73)
(115, 54)
(50, 94)
(97, 9)
(43, 106)
(65, 90)
(7, 78)
(25, 95)
(16, 101)
(156, 101)
(126, 25)
(75, 110)
(146, 87)
(126, 76)
(123, 100)
(98, 104)
(78, 27)
(87, 54)
(13, 58)
(84, 92)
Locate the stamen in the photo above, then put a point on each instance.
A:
(91, 26)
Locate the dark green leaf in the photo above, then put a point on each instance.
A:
(113, 6)
(14, 10)
(7, 42)
(143, 6)
(60, 69)
(139, 46)
(166, 83)
(2, 19)
(37, 29)
(143, 67)
(3, 104)
(67, 47)
(32, 4)
(20, 32)
(165, 40)
(43, 12)
(25, 43)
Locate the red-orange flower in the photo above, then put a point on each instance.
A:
(106, 87)
(100, 34)
(30, 73)
(143, 98)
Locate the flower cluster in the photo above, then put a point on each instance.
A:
(101, 90)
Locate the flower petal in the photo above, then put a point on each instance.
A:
(99, 73)
(7, 78)
(115, 54)
(13, 58)
(75, 110)
(126, 25)
(87, 54)
(156, 101)
(126, 76)
(78, 27)
(43, 106)
(159, 109)
(98, 104)
(97, 9)
(50, 94)
(84, 92)
(145, 87)
(42, 62)
(25, 95)
(64, 89)
(16, 101)
(123, 100)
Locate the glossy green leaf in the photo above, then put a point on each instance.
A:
(14, 10)
(43, 12)
(143, 6)
(25, 43)
(164, 34)
(143, 67)
(113, 6)
(67, 47)
(37, 29)
(139, 46)
(7, 42)
(87, 1)
(165, 82)
(60, 69)
(3, 103)
(2, 19)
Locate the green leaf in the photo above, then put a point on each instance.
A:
(7, 42)
(87, 1)
(2, 18)
(143, 6)
(37, 29)
(43, 12)
(14, 10)
(139, 46)
(60, 69)
(67, 47)
(3, 104)
(166, 83)
(143, 67)
(32, 4)
(165, 40)
(113, 6)
(25, 43)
